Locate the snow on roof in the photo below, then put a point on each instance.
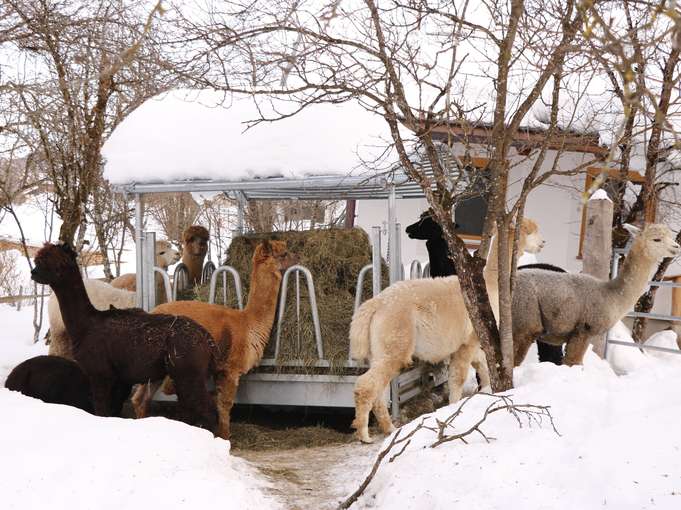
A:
(188, 134)
(600, 194)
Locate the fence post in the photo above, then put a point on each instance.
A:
(597, 252)
(21, 296)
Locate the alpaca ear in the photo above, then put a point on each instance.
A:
(68, 249)
(633, 230)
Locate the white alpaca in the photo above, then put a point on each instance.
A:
(571, 308)
(102, 295)
(426, 319)
(166, 256)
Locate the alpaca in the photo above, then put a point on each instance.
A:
(424, 318)
(194, 248)
(52, 379)
(166, 256)
(248, 329)
(442, 265)
(426, 228)
(119, 348)
(571, 308)
(102, 296)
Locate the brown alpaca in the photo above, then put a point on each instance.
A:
(248, 329)
(194, 249)
(119, 348)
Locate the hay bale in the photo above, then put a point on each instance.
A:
(334, 257)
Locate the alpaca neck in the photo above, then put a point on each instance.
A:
(74, 304)
(194, 267)
(262, 304)
(438, 253)
(632, 281)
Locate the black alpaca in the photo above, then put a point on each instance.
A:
(442, 265)
(52, 379)
(119, 348)
(426, 228)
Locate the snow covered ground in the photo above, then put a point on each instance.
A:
(619, 445)
(59, 457)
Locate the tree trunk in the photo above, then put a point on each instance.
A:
(71, 217)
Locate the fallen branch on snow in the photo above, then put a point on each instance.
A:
(529, 414)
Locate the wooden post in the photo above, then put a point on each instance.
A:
(21, 297)
(598, 246)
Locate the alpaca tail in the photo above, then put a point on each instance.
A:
(359, 330)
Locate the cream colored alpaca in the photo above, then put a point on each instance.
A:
(102, 295)
(166, 256)
(426, 319)
(571, 308)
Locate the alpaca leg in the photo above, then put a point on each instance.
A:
(550, 352)
(141, 398)
(382, 415)
(226, 385)
(119, 394)
(459, 362)
(479, 363)
(574, 352)
(368, 388)
(101, 395)
(521, 344)
(196, 405)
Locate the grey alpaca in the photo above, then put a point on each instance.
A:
(568, 307)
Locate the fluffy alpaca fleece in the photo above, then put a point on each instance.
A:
(52, 379)
(166, 256)
(101, 295)
(426, 319)
(571, 308)
(118, 348)
(194, 248)
(248, 330)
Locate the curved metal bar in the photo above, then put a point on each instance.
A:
(207, 271)
(360, 285)
(237, 284)
(415, 270)
(426, 271)
(166, 283)
(313, 307)
(181, 274)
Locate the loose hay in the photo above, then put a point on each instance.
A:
(335, 258)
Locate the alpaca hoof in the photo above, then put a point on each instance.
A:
(388, 430)
(364, 437)
(486, 389)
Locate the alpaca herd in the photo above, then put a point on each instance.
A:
(101, 345)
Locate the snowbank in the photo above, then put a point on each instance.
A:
(618, 448)
(202, 134)
(59, 457)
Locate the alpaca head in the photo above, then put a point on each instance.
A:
(275, 253)
(655, 241)
(53, 263)
(195, 242)
(425, 228)
(530, 238)
(166, 255)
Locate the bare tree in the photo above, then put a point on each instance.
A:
(81, 67)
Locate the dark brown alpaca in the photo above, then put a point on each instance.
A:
(119, 348)
(194, 249)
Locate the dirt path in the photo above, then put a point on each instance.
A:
(313, 478)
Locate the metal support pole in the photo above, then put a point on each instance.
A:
(149, 261)
(139, 250)
(241, 204)
(376, 260)
(166, 283)
(415, 270)
(393, 263)
(237, 284)
(360, 285)
(398, 251)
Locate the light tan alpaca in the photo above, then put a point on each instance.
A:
(426, 319)
(247, 330)
(166, 256)
(102, 296)
(572, 308)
